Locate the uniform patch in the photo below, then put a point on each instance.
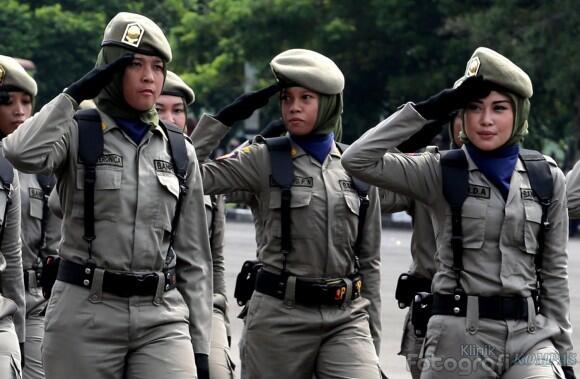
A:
(346, 185)
(110, 160)
(133, 34)
(528, 194)
(35, 193)
(472, 67)
(481, 192)
(298, 181)
(2, 74)
(163, 167)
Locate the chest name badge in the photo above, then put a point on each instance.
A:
(528, 194)
(163, 167)
(346, 185)
(110, 160)
(35, 193)
(481, 192)
(298, 181)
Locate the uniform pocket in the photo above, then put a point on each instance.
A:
(36, 208)
(346, 218)
(107, 194)
(533, 212)
(167, 195)
(473, 220)
(300, 218)
(435, 329)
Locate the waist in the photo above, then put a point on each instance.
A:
(311, 291)
(123, 284)
(492, 307)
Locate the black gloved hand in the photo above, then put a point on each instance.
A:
(569, 372)
(274, 129)
(245, 105)
(423, 137)
(202, 364)
(22, 362)
(439, 106)
(90, 85)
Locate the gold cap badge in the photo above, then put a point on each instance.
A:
(2, 74)
(133, 34)
(472, 67)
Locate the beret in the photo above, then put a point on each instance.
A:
(175, 86)
(13, 75)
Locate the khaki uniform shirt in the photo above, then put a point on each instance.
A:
(499, 237)
(573, 191)
(324, 216)
(136, 193)
(12, 301)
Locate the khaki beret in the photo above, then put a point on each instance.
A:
(175, 86)
(308, 69)
(12, 74)
(137, 33)
(499, 70)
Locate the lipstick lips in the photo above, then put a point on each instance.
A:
(147, 92)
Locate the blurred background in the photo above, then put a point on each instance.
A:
(391, 51)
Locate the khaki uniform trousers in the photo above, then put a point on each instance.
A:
(468, 347)
(106, 336)
(9, 350)
(32, 346)
(411, 347)
(282, 340)
(220, 362)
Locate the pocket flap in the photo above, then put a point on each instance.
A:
(298, 199)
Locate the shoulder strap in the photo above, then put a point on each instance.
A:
(455, 178)
(362, 189)
(282, 176)
(46, 183)
(180, 162)
(90, 149)
(542, 184)
(6, 176)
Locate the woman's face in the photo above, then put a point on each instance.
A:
(15, 112)
(171, 109)
(489, 121)
(299, 110)
(143, 81)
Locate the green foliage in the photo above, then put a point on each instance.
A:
(391, 51)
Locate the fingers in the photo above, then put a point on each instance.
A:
(121, 62)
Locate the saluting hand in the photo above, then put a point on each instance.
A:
(440, 106)
(90, 85)
(243, 107)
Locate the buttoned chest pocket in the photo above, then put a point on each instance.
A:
(107, 194)
(347, 217)
(167, 195)
(533, 214)
(473, 223)
(300, 215)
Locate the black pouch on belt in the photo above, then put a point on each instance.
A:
(48, 275)
(246, 281)
(407, 286)
(421, 312)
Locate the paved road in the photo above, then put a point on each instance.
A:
(240, 245)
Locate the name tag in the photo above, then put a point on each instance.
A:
(298, 181)
(35, 193)
(528, 194)
(481, 192)
(110, 160)
(346, 185)
(163, 167)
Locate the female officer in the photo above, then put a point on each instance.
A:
(484, 321)
(16, 91)
(172, 107)
(307, 316)
(40, 230)
(133, 291)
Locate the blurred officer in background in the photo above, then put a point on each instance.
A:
(502, 244)
(40, 229)
(172, 107)
(17, 89)
(133, 295)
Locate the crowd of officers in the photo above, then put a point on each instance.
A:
(112, 225)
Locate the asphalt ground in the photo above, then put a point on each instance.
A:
(240, 245)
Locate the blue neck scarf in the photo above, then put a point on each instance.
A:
(497, 165)
(136, 129)
(317, 145)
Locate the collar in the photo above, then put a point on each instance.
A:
(296, 151)
(472, 167)
(108, 124)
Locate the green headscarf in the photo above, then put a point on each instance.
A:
(111, 99)
(329, 118)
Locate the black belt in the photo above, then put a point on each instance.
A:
(120, 284)
(493, 307)
(309, 291)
